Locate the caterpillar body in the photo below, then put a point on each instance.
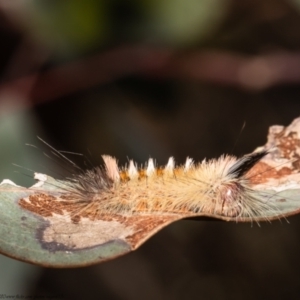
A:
(220, 187)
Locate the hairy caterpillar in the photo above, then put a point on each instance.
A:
(249, 188)
(220, 187)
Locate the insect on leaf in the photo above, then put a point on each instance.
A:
(106, 212)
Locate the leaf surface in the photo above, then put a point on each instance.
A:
(34, 230)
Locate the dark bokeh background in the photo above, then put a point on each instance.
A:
(154, 78)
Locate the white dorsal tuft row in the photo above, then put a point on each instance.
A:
(170, 165)
(150, 167)
(188, 164)
(132, 170)
(169, 168)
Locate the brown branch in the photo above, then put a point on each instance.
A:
(225, 68)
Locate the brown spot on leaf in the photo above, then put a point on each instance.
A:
(42, 204)
(281, 200)
(288, 144)
(75, 219)
(46, 204)
(143, 226)
(296, 163)
(261, 172)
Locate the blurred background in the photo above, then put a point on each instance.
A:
(136, 79)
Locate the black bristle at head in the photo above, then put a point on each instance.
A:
(244, 164)
(93, 181)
